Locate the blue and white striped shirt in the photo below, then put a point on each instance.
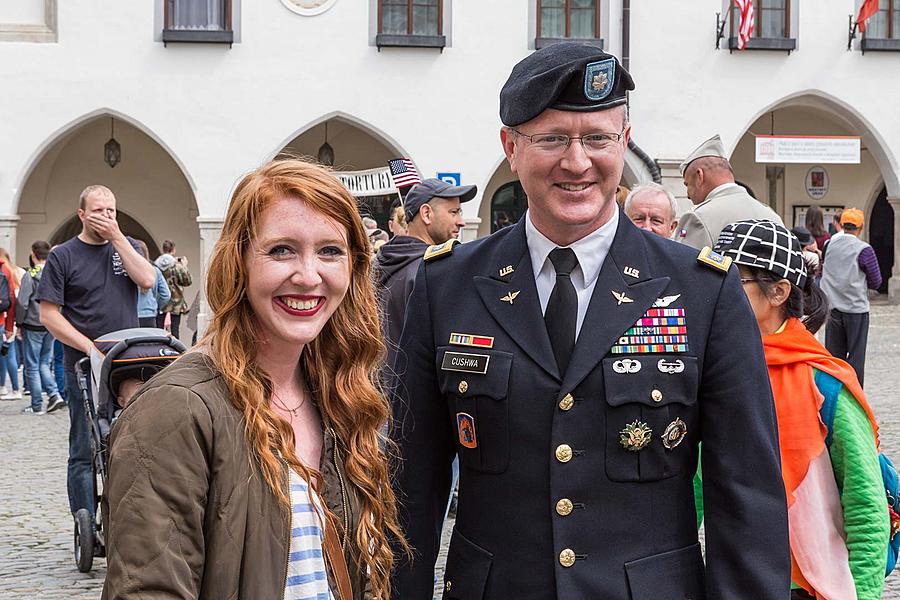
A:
(306, 576)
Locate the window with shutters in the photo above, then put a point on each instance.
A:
(417, 23)
(568, 20)
(883, 28)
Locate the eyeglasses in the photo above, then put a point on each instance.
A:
(557, 143)
(748, 280)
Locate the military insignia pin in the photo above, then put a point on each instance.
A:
(674, 434)
(621, 297)
(506, 270)
(636, 436)
(665, 301)
(465, 425)
(627, 365)
(670, 367)
(632, 272)
(599, 78)
(510, 297)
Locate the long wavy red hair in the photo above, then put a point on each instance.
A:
(340, 365)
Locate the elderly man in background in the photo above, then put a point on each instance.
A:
(652, 207)
(717, 199)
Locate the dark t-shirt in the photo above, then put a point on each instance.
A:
(91, 285)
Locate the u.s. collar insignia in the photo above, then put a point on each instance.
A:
(506, 270)
(465, 425)
(714, 260)
(598, 79)
(674, 434)
(632, 272)
(635, 436)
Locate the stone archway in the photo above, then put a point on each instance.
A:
(154, 195)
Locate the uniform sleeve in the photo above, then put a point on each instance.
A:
(155, 498)
(421, 432)
(693, 232)
(53, 281)
(858, 474)
(745, 509)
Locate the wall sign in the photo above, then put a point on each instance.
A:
(308, 8)
(808, 149)
(451, 178)
(371, 182)
(816, 183)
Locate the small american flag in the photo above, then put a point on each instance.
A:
(403, 172)
(745, 30)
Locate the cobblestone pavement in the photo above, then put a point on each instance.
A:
(36, 560)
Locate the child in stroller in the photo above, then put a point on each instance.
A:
(120, 362)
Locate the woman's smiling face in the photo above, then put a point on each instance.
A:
(298, 271)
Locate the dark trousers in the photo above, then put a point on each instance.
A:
(845, 337)
(80, 473)
(147, 321)
(175, 321)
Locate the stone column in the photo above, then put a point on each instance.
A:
(469, 231)
(8, 226)
(672, 181)
(210, 229)
(894, 283)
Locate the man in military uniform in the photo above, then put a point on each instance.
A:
(717, 199)
(574, 363)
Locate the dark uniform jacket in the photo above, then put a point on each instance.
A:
(551, 503)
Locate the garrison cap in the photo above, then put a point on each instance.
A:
(565, 76)
(711, 147)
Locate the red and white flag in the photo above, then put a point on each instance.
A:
(745, 27)
(866, 11)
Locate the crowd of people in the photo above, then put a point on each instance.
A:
(563, 373)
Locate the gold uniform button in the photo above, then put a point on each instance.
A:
(463, 386)
(656, 395)
(564, 453)
(564, 507)
(567, 402)
(447, 586)
(567, 557)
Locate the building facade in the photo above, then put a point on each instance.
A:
(197, 92)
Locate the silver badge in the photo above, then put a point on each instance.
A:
(670, 367)
(627, 365)
(665, 301)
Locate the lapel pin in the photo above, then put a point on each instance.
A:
(510, 297)
(665, 301)
(621, 297)
(506, 270)
(632, 272)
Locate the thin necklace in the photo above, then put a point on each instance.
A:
(281, 405)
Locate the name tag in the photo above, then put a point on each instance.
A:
(465, 362)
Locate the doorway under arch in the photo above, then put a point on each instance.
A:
(881, 237)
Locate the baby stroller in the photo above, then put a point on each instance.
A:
(115, 357)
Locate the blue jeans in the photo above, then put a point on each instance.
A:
(80, 476)
(59, 371)
(38, 354)
(10, 365)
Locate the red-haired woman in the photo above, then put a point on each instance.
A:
(252, 468)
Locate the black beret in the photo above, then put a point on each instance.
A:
(564, 76)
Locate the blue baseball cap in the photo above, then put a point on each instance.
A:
(422, 193)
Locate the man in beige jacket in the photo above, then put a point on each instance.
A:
(717, 199)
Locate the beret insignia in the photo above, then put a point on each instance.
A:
(598, 79)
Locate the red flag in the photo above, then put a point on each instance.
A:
(866, 11)
(745, 28)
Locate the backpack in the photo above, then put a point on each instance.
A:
(830, 388)
(5, 298)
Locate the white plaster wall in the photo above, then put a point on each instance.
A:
(221, 111)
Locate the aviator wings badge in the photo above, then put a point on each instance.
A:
(510, 297)
(621, 297)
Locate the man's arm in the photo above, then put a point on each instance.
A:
(868, 262)
(692, 232)
(743, 493)
(139, 268)
(61, 329)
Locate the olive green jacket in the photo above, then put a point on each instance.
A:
(186, 511)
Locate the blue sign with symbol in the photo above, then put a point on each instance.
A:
(451, 178)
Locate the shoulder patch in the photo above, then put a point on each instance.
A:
(714, 260)
(439, 250)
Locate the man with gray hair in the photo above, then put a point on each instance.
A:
(717, 199)
(652, 207)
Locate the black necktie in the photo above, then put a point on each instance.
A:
(562, 309)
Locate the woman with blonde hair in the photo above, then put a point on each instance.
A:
(252, 468)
